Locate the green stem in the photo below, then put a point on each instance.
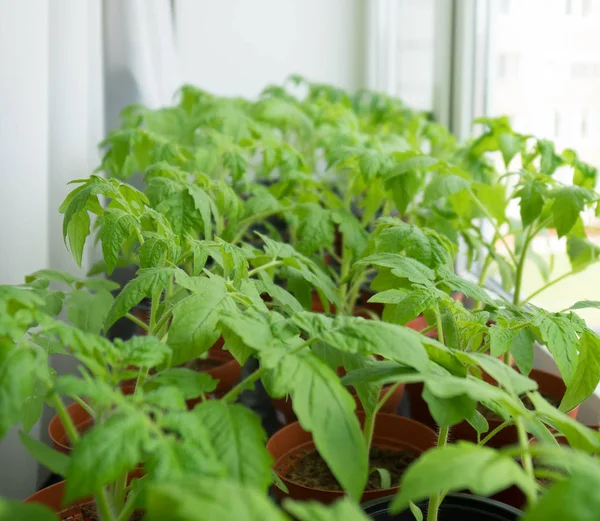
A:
(159, 325)
(137, 321)
(438, 319)
(244, 224)
(370, 418)
(104, 508)
(519, 271)
(142, 377)
(548, 285)
(490, 218)
(525, 454)
(237, 390)
(65, 419)
(128, 508)
(120, 491)
(266, 266)
(436, 499)
(154, 307)
(494, 432)
(84, 405)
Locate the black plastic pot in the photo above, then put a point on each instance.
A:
(456, 507)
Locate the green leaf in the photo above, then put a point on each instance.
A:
(482, 470)
(115, 227)
(357, 335)
(56, 461)
(408, 304)
(500, 340)
(550, 161)
(401, 266)
(153, 252)
(522, 350)
(78, 228)
(194, 327)
(573, 499)
(509, 145)
(239, 441)
(585, 304)
(320, 400)
(450, 411)
(143, 286)
(353, 233)
(532, 200)
(587, 372)
(404, 189)
(189, 382)
(456, 283)
(413, 163)
(581, 252)
(105, 452)
(53, 276)
(279, 295)
(17, 511)
(494, 199)
(558, 334)
(341, 510)
(315, 230)
(443, 186)
(166, 398)
(144, 351)
(209, 499)
(569, 202)
(88, 312)
(580, 437)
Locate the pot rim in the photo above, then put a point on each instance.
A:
(341, 493)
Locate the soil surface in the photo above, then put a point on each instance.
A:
(204, 364)
(490, 415)
(311, 470)
(88, 513)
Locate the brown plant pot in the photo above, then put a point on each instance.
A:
(391, 432)
(52, 497)
(82, 421)
(548, 384)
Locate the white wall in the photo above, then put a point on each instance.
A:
(237, 47)
(50, 122)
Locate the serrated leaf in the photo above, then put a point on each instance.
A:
(456, 283)
(404, 189)
(88, 312)
(105, 452)
(585, 304)
(194, 327)
(522, 350)
(569, 202)
(142, 286)
(315, 230)
(357, 335)
(77, 230)
(494, 199)
(443, 186)
(532, 200)
(144, 351)
(482, 470)
(509, 145)
(189, 382)
(354, 235)
(401, 266)
(153, 252)
(115, 227)
(587, 372)
(56, 461)
(239, 441)
(209, 499)
(408, 305)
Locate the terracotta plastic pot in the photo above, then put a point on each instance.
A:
(548, 384)
(82, 421)
(391, 432)
(52, 497)
(455, 507)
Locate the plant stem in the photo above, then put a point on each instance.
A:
(436, 499)
(154, 308)
(490, 218)
(65, 419)
(524, 444)
(137, 321)
(370, 418)
(549, 284)
(119, 491)
(84, 406)
(237, 390)
(104, 508)
(159, 325)
(494, 432)
(266, 266)
(519, 271)
(128, 508)
(438, 318)
(245, 223)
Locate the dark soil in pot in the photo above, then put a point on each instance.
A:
(392, 433)
(456, 507)
(312, 471)
(85, 510)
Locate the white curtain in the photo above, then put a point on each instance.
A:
(68, 68)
